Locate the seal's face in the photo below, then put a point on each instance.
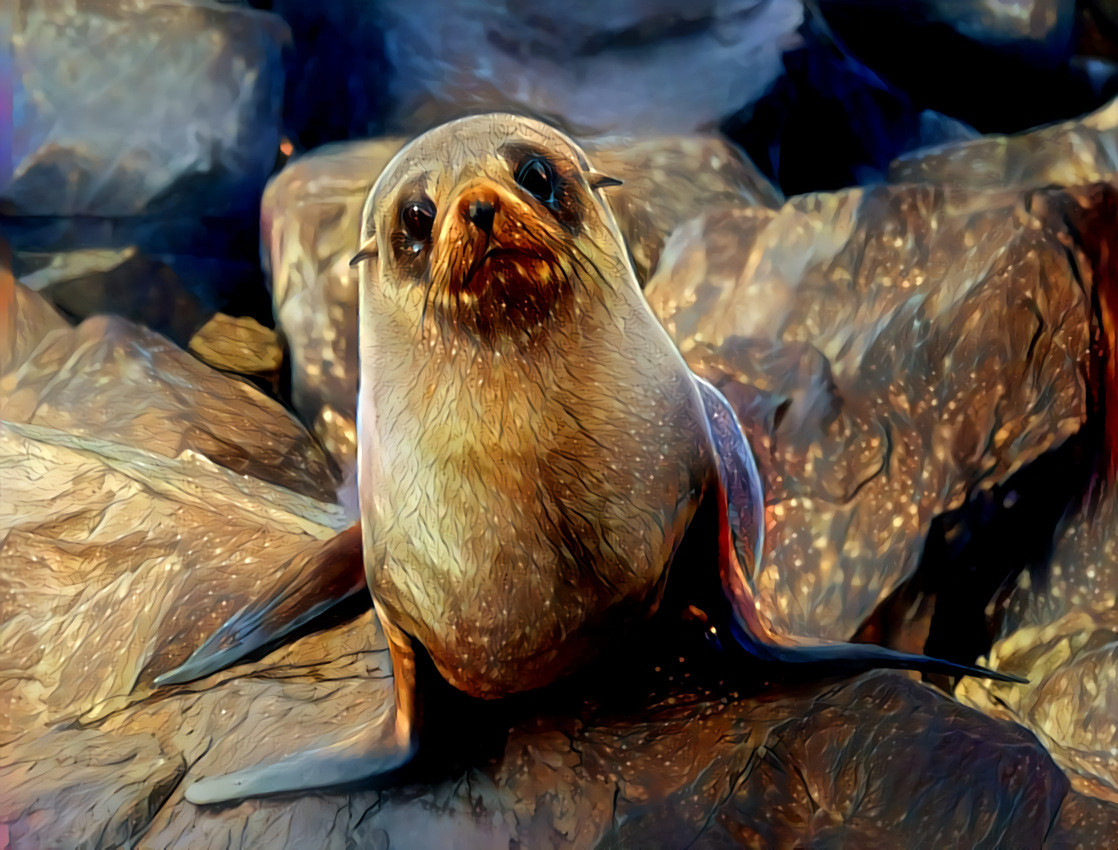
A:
(495, 219)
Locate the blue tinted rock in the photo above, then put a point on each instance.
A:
(123, 109)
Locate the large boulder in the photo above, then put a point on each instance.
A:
(1060, 630)
(619, 66)
(177, 107)
(889, 351)
(1069, 153)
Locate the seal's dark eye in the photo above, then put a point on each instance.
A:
(537, 177)
(418, 218)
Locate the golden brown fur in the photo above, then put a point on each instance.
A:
(529, 434)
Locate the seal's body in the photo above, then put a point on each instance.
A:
(532, 447)
(524, 479)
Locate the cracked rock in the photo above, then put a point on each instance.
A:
(888, 350)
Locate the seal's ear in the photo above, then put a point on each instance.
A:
(367, 251)
(597, 180)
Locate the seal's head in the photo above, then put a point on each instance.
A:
(495, 219)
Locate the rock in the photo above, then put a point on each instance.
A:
(109, 379)
(310, 219)
(656, 755)
(1083, 822)
(668, 180)
(999, 67)
(829, 122)
(25, 318)
(198, 131)
(1071, 153)
(1061, 632)
(889, 350)
(238, 344)
(174, 295)
(309, 225)
(619, 66)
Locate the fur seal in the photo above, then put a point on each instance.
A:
(532, 445)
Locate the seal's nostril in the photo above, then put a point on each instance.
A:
(481, 214)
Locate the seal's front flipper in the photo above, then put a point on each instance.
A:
(741, 521)
(312, 583)
(366, 753)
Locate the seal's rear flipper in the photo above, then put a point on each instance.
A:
(311, 584)
(741, 522)
(366, 753)
(855, 656)
(363, 755)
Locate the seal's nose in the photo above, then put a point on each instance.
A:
(481, 214)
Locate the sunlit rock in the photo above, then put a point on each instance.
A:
(666, 181)
(1070, 153)
(109, 379)
(126, 537)
(238, 344)
(25, 318)
(140, 107)
(309, 226)
(1061, 632)
(888, 350)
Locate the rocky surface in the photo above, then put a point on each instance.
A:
(238, 344)
(927, 372)
(108, 379)
(310, 216)
(197, 133)
(888, 350)
(1070, 153)
(312, 209)
(121, 555)
(619, 66)
(1060, 630)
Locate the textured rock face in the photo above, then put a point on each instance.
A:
(310, 219)
(167, 547)
(110, 380)
(888, 350)
(1061, 632)
(1071, 153)
(238, 344)
(126, 539)
(618, 66)
(177, 107)
(312, 209)
(667, 181)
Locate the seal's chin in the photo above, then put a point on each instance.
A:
(506, 270)
(495, 290)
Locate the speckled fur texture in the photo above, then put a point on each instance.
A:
(532, 444)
